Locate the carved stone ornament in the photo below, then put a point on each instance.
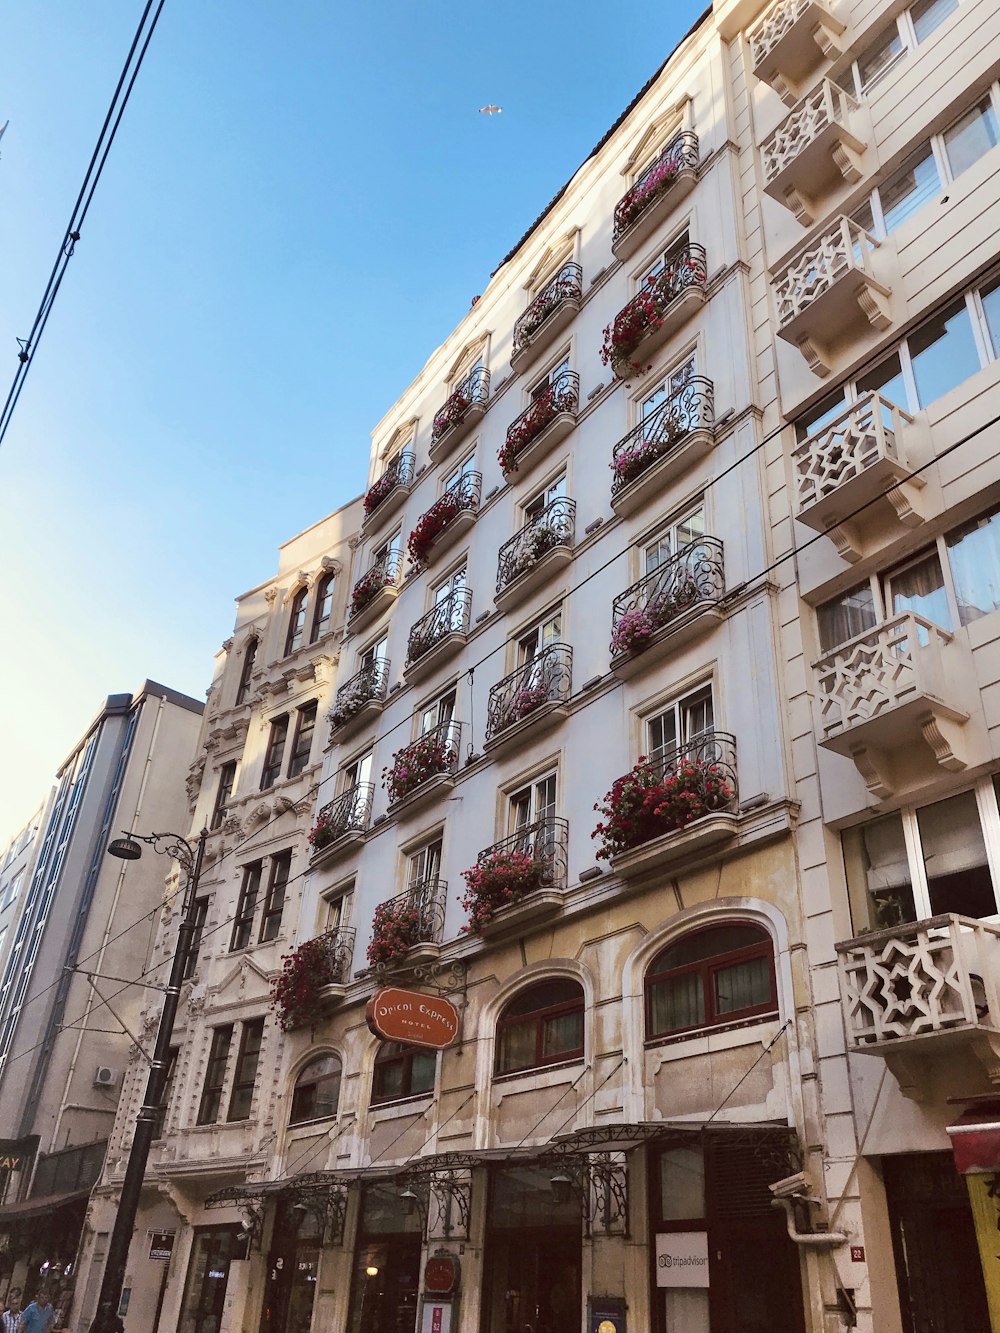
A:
(227, 644)
(232, 824)
(330, 566)
(269, 595)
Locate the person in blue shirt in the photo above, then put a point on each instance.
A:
(38, 1317)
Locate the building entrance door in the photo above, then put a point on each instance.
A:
(386, 1279)
(292, 1270)
(212, 1251)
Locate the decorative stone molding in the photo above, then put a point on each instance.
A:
(270, 595)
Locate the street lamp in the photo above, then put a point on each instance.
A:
(189, 859)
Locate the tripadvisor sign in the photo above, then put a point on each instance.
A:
(412, 1018)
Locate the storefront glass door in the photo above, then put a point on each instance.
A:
(212, 1251)
(533, 1253)
(386, 1276)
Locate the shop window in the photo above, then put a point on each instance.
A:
(317, 1090)
(722, 974)
(402, 1071)
(541, 1026)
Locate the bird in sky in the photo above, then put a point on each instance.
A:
(490, 109)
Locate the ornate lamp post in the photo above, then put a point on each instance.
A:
(189, 859)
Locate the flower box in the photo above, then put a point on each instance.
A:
(650, 481)
(339, 846)
(520, 917)
(307, 973)
(353, 722)
(396, 928)
(552, 310)
(560, 316)
(500, 879)
(668, 638)
(430, 790)
(446, 521)
(385, 495)
(539, 571)
(643, 208)
(465, 407)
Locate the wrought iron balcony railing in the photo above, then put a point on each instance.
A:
(368, 684)
(554, 526)
(383, 573)
(547, 678)
(680, 154)
(711, 756)
(690, 408)
(398, 473)
(347, 813)
(414, 917)
(694, 574)
(338, 948)
(463, 497)
(433, 753)
(449, 616)
(562, 395)
(567, 285)
(650, 310)
(473, 391)
(546, 841)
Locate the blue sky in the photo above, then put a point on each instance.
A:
(299, 206)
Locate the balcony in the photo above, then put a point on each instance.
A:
(338, 948)
(438, 635)
(425, 769)
(888, 688)
(448, 519)
(553, 310)
(407, 929)
(359, 700)
(464, 408)
(659, 189)
(532, 699)
(534, 554)
(342, 824)
(856, 462)
(375, 591)
(923, 989)
(664, 304)
(813, 151)
(543, 424)
(661, 447)
(694, 815)
(667, 608)
(790, 43)
(829, 294)
(520, 881)
(386, 495)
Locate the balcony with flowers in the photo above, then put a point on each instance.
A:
(466, 405)
(543, 424)
(438, 635)
(831, 293)
(665, 302)
(853, 474)
(385, 496)
(518, 881)
(815, 149)
(341, 824)
(359, 700)
(668, 607)
(447, 520)
(665, 444)
(425, 769)
(659, 189)
(675, 805)
(313, 977)
(530, 558)
(552, 310)
(375, 591)
(406, 930)
(531, 699)
(790, 43)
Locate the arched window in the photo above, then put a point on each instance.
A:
(722, 974)
(317, 1090)
(541, 1026)
(296, 621)
(323, 609)
(402, 1071)
(249, 655)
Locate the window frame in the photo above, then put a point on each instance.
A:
(223, 793)
(681, 706)
(214, 1085)
(708, 968)
(246, 671)
(322, 615)
(907, 34)
(538, 1019)
(403, 1057)
(274, 755)
(526, 796)
(300, 1084)
(199, 915)
(302, 738)
(246, 906)
(296, 633)
(274, 900)
(250, 1049)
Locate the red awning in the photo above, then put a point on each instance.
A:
(975, 1141)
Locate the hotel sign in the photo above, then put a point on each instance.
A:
(413, 1018)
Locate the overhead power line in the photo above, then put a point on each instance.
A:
(123, 91)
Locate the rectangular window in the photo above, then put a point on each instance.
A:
(930, 14)
(972, 136)
(243, 690)
(974, 559)
(215, 1075)
(168, 1087)
(305, 726)
(457, 474)
(437, 713)
(424, 864)
(532, 803)
(375, 652)
(555, 490)
(919, 587)
(358, 772)
(227, 778)
(334, 911)
(678, 534)
(546, 632)
(391, 546)
(943, 353)
(402, 1071)
(673, 252)
(880, 56)
(199, 914)
(541, 388)
(682, 722)
(275, 751)
(274, 903)
(841, 619)
(246, 906)
(245, 1076)
(909, 188)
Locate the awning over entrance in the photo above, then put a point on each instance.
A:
(29, 1208)
(975, 1140)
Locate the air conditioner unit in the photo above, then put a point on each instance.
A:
(105, 1076)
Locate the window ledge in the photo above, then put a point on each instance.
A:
(536, 1070)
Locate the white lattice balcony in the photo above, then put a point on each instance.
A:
(923, 989)
(790, 42)
(813, 151)
(887, 688)
(857, 462)
(830, 294)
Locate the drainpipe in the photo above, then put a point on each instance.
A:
(812, 1239)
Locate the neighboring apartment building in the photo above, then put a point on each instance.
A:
(66, 1021)
(253, 786)
(17, 861)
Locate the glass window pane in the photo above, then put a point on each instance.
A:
(822, 412)
(991, 305)
(682, 1184)
(676, 1003)
(887, 380)
(911, 187)
(943, 353)
(880, 56)
(929, 14)
(743, 986)
(958, 878)
(851, 613)
(878, 875)
(423, 1070)
(920, 588)
(561, 1035)
(972, 136)
(691, 527)
(974, 555)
